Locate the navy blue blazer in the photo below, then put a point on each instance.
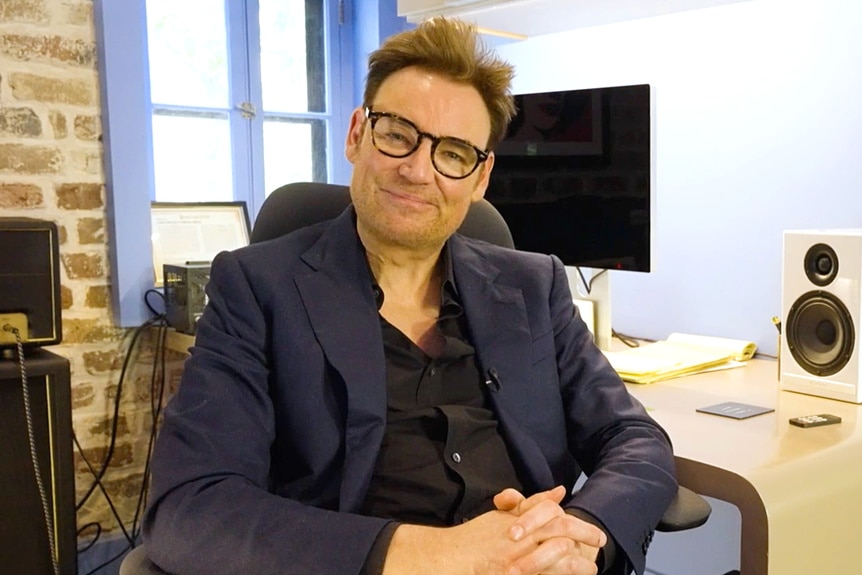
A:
(266, 451)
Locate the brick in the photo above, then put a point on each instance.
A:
(67, 300)
(97, 362)
(83, 395)
(83, 266)
(31, 87)
(123, 455)
(91, 231)
(98, 297)
(88, 331)
(23, 11)
(87, 161)
(19, 122)
(58, 123)
(20, 196)
(48, 49)
(79, 11)
(79, 196)
(127, 488)
(23, 159)
(88, 128)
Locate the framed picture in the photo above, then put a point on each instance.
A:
(193, 233)
(565, 123)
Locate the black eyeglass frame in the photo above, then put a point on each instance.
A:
(373, 117)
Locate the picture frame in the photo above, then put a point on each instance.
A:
(185, 233)
(563, 123)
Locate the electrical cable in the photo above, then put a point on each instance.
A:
(147, 295)
(31, 437)
(98, 527)
(115, 421)
(131, 536)
(629, 340)
(157, 377)
(102, 489)
(588, 285)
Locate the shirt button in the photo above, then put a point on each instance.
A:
(456, 457)
(433, 371)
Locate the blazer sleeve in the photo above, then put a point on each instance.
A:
(211, 510)
(626, 455)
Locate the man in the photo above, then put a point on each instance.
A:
(377, 395)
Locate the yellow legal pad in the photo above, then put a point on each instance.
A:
(680, 354)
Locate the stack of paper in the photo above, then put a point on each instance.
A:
(680, 354)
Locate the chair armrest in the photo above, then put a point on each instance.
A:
(687, 511)
(136, 562)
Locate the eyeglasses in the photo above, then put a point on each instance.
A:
(396, 137)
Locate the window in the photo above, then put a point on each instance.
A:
(214, 100)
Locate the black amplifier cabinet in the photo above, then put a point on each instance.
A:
(185, 295)
(29, 282)
(24, 542)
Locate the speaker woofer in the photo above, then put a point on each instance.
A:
(819, 332)
(821, 264)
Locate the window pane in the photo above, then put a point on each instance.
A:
(192, 157)
(292, 55)
(293, 151)
(187, 47)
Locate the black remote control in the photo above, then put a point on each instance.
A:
(815, 420)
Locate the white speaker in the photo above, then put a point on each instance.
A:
(821, 290)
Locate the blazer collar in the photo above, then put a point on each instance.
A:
(339, 300)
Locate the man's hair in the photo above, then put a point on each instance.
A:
(453, 49)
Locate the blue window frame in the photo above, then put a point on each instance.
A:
(128, 125)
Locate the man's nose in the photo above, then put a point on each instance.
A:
(418, 165)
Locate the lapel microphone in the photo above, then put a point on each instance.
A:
(493, 379)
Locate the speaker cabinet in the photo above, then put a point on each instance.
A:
(24, 541)
(820, 305)
(30, 281)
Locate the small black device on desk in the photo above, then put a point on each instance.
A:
(815, 420)
(185, 295)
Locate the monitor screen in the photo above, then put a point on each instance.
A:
(572, 176)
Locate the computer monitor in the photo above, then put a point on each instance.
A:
(573, 176)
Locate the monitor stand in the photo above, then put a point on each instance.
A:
(600, 295)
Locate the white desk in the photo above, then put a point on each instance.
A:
(799, 491)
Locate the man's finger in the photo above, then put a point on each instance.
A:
(556, 495)
(508, 499)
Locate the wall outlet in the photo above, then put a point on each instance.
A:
(9, 322)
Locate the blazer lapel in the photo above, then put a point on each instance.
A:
(497, 316)
(338, 297)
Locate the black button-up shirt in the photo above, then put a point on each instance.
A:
(443, 457)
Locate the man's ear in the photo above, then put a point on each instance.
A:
(354, 134)
(484, 178)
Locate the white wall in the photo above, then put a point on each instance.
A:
(758, 129)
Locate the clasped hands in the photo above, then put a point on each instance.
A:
(522, 536)
(557, 543)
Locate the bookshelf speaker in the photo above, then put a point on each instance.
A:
(29, 282)
(36, 521)
(821, 305)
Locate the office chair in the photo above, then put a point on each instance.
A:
(297, 205)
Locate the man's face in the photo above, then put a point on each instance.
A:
(406, 202)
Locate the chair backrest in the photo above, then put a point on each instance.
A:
(301, 204)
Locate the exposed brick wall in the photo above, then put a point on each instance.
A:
(51, 169)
